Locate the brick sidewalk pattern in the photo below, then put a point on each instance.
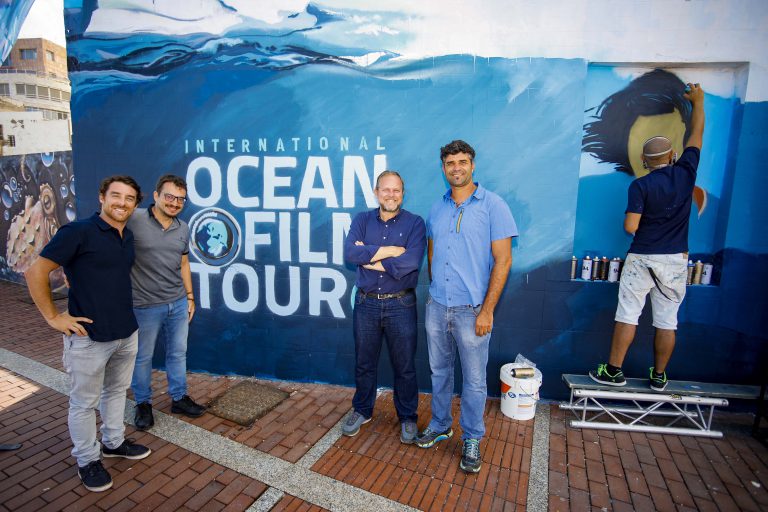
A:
(588, 469)
(625, 471)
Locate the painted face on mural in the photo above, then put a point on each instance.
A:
(390, 193)
(670, 125)
(458, 169)
(170, 200)
(118, 202)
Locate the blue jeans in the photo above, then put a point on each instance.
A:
(99, 373)
(449, 328)
(394, 319)
(171, 321)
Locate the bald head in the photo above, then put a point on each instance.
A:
(657, 152)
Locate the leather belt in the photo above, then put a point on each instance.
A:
(382, 296)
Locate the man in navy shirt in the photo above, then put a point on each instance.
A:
(100, 330)
(387, 245)
(658, 210)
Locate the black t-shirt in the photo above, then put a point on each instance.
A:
(97, 263)
(663, 197)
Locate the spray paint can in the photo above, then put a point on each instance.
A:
(698, 268)
(522, 373)
(706, 274)
(586, 268)
(573, 267)
(596, 268)
(604, 264)
(613, 270)
(689, 279)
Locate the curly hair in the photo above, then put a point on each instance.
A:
(455, 147)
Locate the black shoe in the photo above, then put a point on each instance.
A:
(604, 377)
(187, 407)
(127, 450)
(143, 419)
(95, 478)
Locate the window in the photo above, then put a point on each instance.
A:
(43, 93)
(12, 140)
(5, 89)
(55, 94)
(64, 96)
(28, 90)
(28, 54)
(50, 56)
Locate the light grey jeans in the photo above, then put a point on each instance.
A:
(100, 373)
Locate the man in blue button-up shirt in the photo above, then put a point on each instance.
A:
(387, 245)
(469, 250)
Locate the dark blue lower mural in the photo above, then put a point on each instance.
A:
(281, 131)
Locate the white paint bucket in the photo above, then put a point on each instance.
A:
(518, 396)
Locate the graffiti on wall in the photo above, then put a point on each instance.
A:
(38, 196)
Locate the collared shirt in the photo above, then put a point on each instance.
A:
(461, 245)
(663, 198)
(403, 230)
(97, 262)
(156, 274)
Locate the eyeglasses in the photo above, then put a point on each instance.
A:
(172, 198)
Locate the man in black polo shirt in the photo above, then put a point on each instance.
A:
(100, 330)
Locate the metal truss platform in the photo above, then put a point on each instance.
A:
(683, 408)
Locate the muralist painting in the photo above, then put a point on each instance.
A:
(627, 106)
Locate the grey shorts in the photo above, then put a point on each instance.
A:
(667, 289)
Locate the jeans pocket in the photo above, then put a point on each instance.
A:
(408, 300)
(476, 309)
(359, 298)
(77, 343)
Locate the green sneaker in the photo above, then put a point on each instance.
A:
(602, 376)
(657, 383)
(429, 437)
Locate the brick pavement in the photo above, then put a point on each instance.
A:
(603, 469)
(588, 469)
(375, 460)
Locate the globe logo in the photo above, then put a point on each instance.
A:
(214, 237)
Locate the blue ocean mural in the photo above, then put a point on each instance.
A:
(281, 115)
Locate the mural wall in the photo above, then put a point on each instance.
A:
(38, 196)
(281, 116)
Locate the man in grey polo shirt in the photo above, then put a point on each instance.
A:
(163, 301)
